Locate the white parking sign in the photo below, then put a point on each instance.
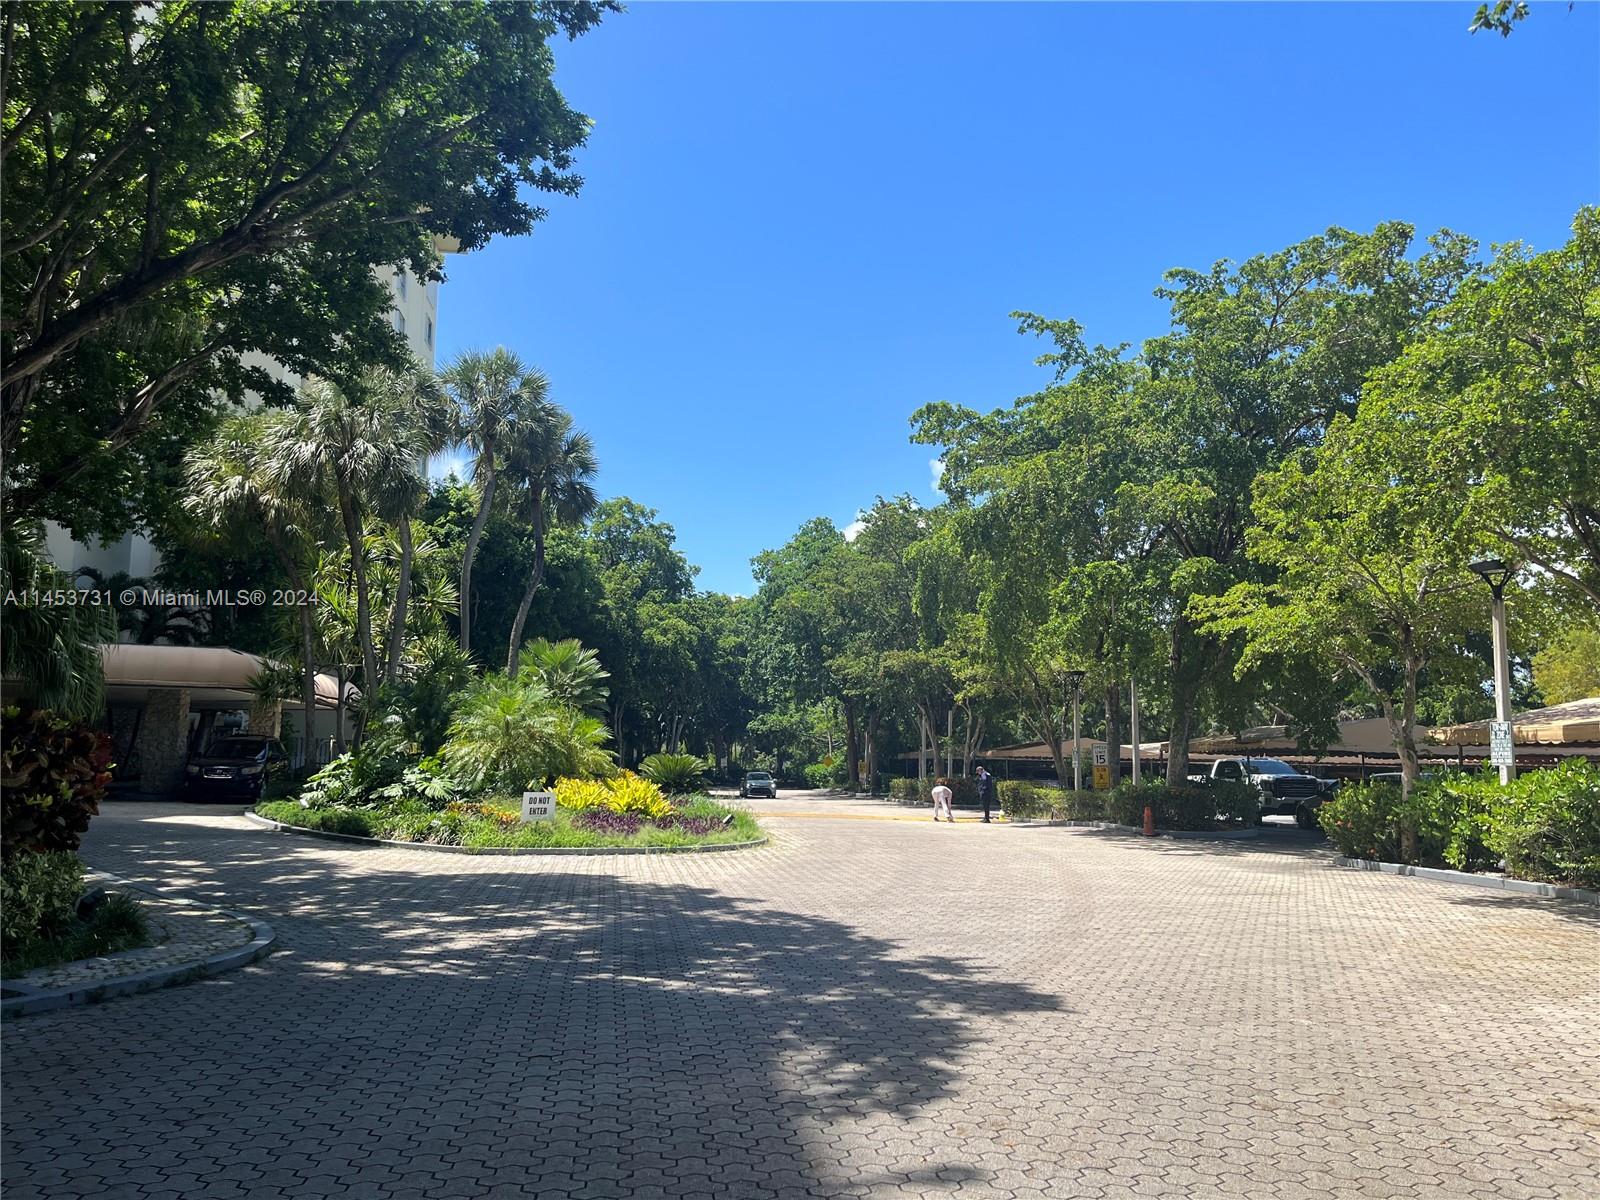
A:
(1500, 752)
(538, 806)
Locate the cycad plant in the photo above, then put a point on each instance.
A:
(675, 774)
(570, 671)
(510, 734)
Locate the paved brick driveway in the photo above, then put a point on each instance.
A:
(866, 1008)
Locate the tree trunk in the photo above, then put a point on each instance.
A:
(1407, 748)
(338, 712)
(922, 747)
(873, 719)
(1114, 730)
(402, 597)
(358, 565)
(852, 745)
(950, 742)
(308, 680)
(1182, 710)
(306, 615)
(1062, 763)
(470, 554)
(535, 578)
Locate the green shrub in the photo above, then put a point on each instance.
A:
(907, 790)
(1547, 825)
(823, 775)
(37, 894)
(118, 924)
(674, 774)
(630, 794)
(326, 819)
(53, 775)
(1449, 816)
(511, 734)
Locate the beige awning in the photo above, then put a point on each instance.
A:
(1577, 721)
(1365, 736)
(212, 674)
(1038, 751)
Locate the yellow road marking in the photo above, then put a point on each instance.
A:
(826, 816)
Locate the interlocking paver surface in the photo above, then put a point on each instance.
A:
(863, 1008)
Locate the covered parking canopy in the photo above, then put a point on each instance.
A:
(1576, 723)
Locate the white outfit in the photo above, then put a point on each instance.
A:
(941, 799)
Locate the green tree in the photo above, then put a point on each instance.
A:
(1568, 668)
(299, 146)
(360, 450)
(569, 671)
(1504, 392)
(53, 649)
(419, 419)
(1362, 573)
(232, 493)
(494, 392)
(552, 468)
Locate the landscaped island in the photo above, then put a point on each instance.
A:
(622, 812)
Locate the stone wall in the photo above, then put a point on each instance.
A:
(266, 717)
(163, 740)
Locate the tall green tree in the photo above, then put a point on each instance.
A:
(1362, 573)
(188, 185)
(1504, 393)
(355, 448)
(552, 467)
(232, 492)
(495, 393)
(419, 419)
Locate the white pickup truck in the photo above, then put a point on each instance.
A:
(1284, 790)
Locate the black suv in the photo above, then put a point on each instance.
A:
(235, 766)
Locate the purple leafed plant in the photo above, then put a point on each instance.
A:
(599, 820)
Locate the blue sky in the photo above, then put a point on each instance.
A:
(801, 222)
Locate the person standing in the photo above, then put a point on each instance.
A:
(985, 791)
(942, 795)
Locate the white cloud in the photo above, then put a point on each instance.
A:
(853, 530)
(936, 465)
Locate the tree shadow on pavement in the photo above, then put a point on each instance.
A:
(1573, 911)
(549, 1031)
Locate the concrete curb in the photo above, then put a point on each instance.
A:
(280, 827)
(1223, 835)
(1521, 887)
(261, 943)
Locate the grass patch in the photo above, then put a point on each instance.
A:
(694, 821)
(118, 924)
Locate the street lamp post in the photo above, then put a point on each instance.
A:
(1497, 574)
(1076, 679)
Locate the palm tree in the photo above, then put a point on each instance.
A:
(152, 620)
(492, 391)
(53, 650)
(358, 449)
(417, 415)
(230, 489)
(554, 467)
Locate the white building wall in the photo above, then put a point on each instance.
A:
(415, 313)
